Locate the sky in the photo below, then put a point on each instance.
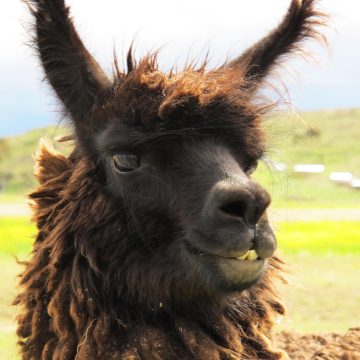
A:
(183, 30)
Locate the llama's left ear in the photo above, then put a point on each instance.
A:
(300, 23)
(73, 73)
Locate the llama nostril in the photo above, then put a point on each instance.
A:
(234, 208)
(237, 202)
(242, 209)
(249, 209)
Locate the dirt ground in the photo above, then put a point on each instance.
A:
(321, 346)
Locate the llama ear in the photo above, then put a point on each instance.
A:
(299, 23)
(73, 73)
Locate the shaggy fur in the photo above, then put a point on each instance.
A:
(106, 280)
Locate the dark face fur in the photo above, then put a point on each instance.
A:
(174, 153)
(196, 188)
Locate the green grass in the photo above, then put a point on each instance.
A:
(16, 236)
(319, 238)
(324, 293)
(332, 141)
(323, 258)
(17, 161)
(9, 270)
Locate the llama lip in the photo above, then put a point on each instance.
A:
(198, 243)
(249, 255)
(228, 274)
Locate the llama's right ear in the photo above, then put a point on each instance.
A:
(300, 22)
(73, 73)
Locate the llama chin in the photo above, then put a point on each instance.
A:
(153, 240)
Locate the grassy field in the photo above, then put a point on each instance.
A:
(16, 236)
(323, 257)
(324, 294)
(327, 137)
(17, 161)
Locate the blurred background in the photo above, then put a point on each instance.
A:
(312, 168)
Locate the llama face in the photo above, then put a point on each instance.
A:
(194, 177)
(174, 153)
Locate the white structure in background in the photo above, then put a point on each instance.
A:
(341, 177)
(309, 168)
(345, 178)
(355, 184)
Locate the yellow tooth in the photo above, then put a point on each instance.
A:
(243, 257)
(252, 255)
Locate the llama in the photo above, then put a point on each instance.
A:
(153, 240)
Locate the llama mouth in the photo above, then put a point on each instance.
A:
(228, 274)
(249, 255)
(196, 244)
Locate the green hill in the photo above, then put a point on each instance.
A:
(17, 161)
(331, 138)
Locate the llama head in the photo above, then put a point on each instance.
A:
(174, 154)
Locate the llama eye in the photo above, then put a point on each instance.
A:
(125, 162)
(251, 167)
